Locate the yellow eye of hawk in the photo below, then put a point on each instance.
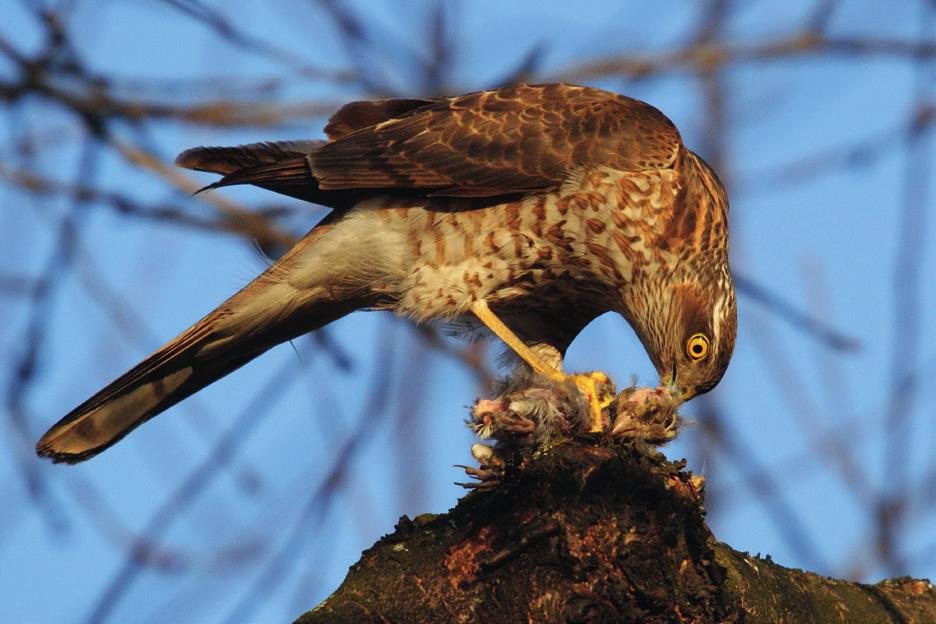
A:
(697, 347)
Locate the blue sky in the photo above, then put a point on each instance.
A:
(827, 241)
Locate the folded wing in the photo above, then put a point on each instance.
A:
(514, 140)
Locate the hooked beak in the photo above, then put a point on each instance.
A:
(673, 387)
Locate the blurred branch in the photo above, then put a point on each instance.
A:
(438, 66)
(26, 365)
(304, 527)
(907, 314)
(12, 285)
(763, 484)
(838, 394)
(253, 226)
(232, 219)
(322, 496)
(192, 487)
(229, 32)
(472, 355)
(821, 15)
(356, 44)
(793, 390)
(702, 57)
(94, 98)
(154, 555)
(862, 153)
(94, 101)
(782, 309)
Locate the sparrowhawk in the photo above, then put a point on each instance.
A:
(533, 209)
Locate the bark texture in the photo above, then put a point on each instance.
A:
(592, 533)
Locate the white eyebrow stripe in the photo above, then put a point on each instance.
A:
(719, 312)
(716, 319)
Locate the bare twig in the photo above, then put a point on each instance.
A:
(779, 307)
(762, 483)
(700, 57)
(254, 226)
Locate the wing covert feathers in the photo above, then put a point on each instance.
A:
(514, 140)
(517, 139)
(355, 116)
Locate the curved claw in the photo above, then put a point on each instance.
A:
(594, 386)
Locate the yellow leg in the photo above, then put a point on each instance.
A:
(587, 383)
(484, 314)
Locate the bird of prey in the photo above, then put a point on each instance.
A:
(532, 209)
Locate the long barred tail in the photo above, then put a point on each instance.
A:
(239, 330)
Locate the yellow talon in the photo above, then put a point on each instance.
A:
(588, 383)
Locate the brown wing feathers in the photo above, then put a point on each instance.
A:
(226, 160)
(442, 150)
(359, 115)
(513, 140)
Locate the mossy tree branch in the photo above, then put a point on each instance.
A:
(584, 532)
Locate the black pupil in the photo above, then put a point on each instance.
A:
(697, 348)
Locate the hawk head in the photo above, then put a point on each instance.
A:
(690, 333)
(690, 330)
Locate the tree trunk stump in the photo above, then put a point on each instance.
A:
(583, 532)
